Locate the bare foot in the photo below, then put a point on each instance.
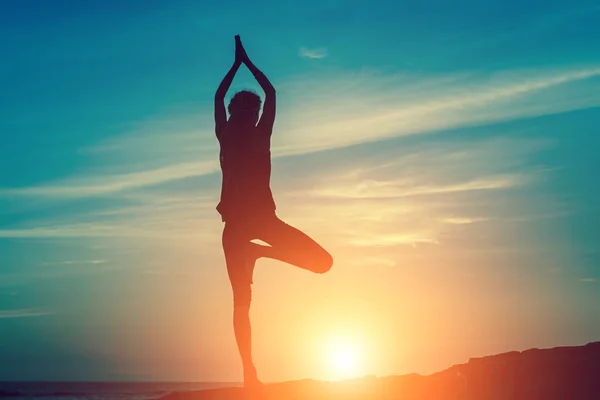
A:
(251, 380)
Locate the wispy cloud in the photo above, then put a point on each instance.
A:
(167, 271)
(404, 188)
(588, 280)
(111, 183)
(420, 194)
(339, 111)
(462, 220)
(31, 275)
(320, 52)
(405, 195)
(375, 240)
(70, 262)
(187, 232)
(373, 261)
(24, 313)
(74, 230)
(365, 111)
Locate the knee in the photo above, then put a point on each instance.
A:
(324, 263)
(242, 297)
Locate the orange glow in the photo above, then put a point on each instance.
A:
(343, 357)
(418, 284)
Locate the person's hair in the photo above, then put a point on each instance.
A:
(243, 102)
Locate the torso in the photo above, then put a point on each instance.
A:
(245, 159)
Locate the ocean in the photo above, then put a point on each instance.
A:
(99, 390)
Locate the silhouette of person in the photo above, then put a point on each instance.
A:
(247, 207)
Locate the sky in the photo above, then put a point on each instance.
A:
(445, 154)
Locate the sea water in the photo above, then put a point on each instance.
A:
(100, 390)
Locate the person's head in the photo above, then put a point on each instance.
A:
(245, 106)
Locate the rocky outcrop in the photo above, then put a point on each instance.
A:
(559, 373)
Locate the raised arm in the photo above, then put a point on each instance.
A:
(220, 114)
(268, 116)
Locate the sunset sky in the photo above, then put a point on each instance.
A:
(445, 153)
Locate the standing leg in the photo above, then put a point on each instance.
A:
(236, 246)
(292, 246)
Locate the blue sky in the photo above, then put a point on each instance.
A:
(433, 147)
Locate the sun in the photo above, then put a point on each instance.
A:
(344, 358)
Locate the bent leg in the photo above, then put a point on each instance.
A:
(293, 246)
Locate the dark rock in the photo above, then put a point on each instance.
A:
(537, 374)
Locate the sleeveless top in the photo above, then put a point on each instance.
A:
(245, 158)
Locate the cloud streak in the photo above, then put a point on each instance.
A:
(401, 188)
(70, 262)
(405, 195)
(369, 115)
(320, 52)
(107, 184)
(189, 232)
(463, 220)
(24, 313)
(342, 112)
